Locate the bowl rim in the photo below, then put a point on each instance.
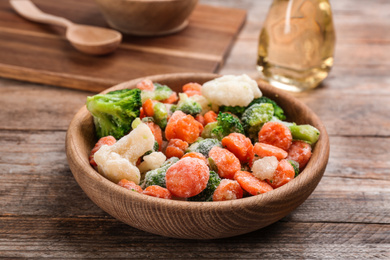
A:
(302, 180)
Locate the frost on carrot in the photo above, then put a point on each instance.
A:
(240, 146)
(251, 184)
(228, 190)
(284, 173)
(176, 148)
(300, 152)
(264, 150)
(187, 178)
(225, 163)
(157, 191)
(184, 127)
(277, 134)
(130, 185)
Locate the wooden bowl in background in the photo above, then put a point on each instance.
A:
(195, 220)
(147, 17)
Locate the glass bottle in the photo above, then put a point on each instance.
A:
(296, 44)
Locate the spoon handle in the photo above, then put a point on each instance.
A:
(29, 11)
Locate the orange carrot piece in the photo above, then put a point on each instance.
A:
(108, 140)
(191, 93)
(283, 174)
(265, 150)
(200, 119)
(157, 191)
(228, 190)
(240, 146)
(226, 162)
(157, 132)
(176, 148)
(170, 129)
(300, 152)
(277, 134)
(195, 155)
(188, 129)
(210, 117)
(192, 86)
(130, 185)
(145, 84)
(147, 107)
(187, 178)
(251, 184)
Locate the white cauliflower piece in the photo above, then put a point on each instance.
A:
(264, 168)
(118, 161)
(152, 161)
(231, 90)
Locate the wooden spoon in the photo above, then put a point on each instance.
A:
(88, 39)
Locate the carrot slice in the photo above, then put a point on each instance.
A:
(283, 174)
(192, 86)
(251, 184)
(157, 132)
(157, 191)
(130, 185)
(265, 150)
(227, 190)
(210, 117)
(226, 162)
(277, 134)
(195, 155)
(187, 178)
(147, 107)
(240, 146)
(170, 129)
(145, 84)
(176, 148)
(200, 119)
(188, 129)
(300, 152)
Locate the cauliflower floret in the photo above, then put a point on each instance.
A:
(231, 90)
(118, 161)
(152, 161)
(264, 168)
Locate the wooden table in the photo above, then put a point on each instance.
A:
(44, 213)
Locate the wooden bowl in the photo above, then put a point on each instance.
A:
(195, 220)
(147, 17)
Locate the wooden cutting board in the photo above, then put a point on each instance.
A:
(40, 53)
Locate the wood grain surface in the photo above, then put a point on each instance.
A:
(40, 53)
(44, 213)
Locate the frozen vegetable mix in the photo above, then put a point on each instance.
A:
(217, 141)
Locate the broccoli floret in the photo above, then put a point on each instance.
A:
(157, 176)
(306, 133)
(114, 112)
(295, 165)
(160, 92)
(204, 146)
(237, 110)
(255, 116)
(207, 193)
(188, 105)
(226, 124)
(278, 111)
